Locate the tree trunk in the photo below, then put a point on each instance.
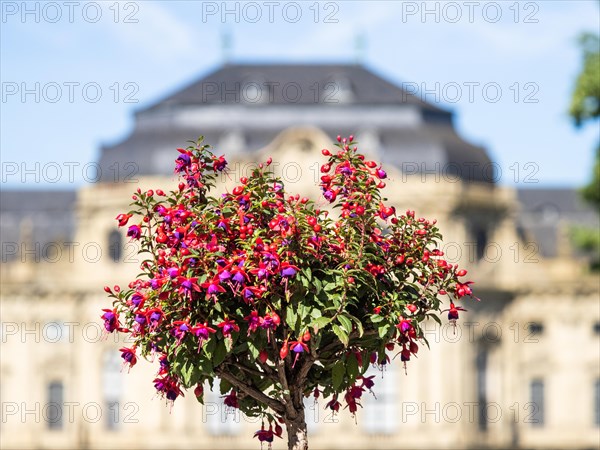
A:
(296, 430)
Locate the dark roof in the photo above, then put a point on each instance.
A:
(546, 211)
(293, 84)
(47, 216)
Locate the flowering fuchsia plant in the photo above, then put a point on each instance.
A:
(274, 296)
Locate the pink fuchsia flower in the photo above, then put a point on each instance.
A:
(180, 329)
(228, 326)
(173, 272)
(111, 320)
(137, 299)
(183, 161)
(213, 288)
(134, 232)
(202, 332)
(128, 355)
(297, 347)
(154, 316)
(189, 284)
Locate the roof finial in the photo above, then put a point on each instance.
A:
(226, 42)
(360, 44)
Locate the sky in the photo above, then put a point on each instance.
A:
(73, 74)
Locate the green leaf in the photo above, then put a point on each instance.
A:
(383, 330)
(254, 351)
(352, 366)
(341, 334)
(316, 313)
(321, 322)
(359, 326)
(220, 353)
(346, 323)
(375, 318)
(337, 374)
(291, 317)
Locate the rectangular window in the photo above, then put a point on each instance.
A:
(380, 415)
(220, 420)
(112, 415)
(536, 410)
(481, 362)
(54, 409)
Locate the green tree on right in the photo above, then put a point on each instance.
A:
(585, 104)
(585, 108)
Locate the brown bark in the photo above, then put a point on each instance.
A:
(296, 431)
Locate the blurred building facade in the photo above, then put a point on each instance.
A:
(521, 369)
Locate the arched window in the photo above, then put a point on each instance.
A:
(112, 387)
(115, 245)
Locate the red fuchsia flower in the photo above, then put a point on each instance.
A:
(239, 275)
(270, 322)
(164, 365)
(111, 320)
(330, 195)
(351, 396)
(231, 400)
(123, 219)
(254, 321)
(463, 289)
(250, 292)
(297, 347)
(155, 316)
(128, 355)
(228, 326)
(265, 435)
(168, 386)
(219, 163)
(333, 404)
(180, 329)
(453, 314)
(188, 284)
(261, 272)
(183, 161)
(202, 332)
(405, 326)
(367, 383)
(288, 270)
(213, 288)
(134, 232)
(138, 299)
